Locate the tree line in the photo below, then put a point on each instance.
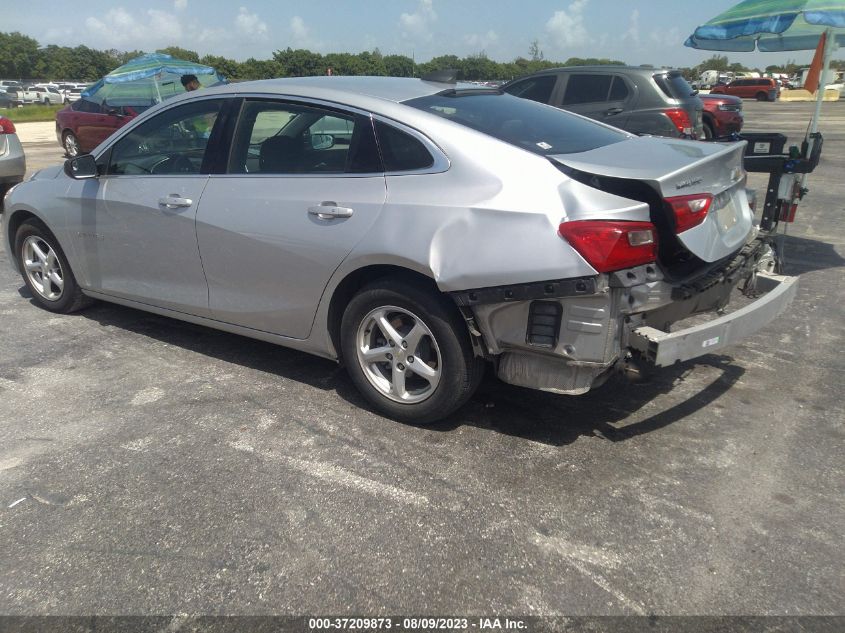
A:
(22, 58)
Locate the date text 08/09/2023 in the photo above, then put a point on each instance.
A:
(415, 624)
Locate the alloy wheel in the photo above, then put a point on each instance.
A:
(398, 354)
(42, 268)
(71, 145)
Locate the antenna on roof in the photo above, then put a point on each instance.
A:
(445, 76)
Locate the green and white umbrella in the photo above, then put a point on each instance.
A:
(777, 25)
(151, 77)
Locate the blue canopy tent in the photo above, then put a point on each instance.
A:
(152, 77)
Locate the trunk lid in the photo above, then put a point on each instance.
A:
(675, 167)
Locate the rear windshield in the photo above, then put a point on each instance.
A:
(674, 85)
(538, 128)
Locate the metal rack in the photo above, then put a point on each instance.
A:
(786, 174)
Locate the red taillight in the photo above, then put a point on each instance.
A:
(689, 210)
(6, 126)
(680, 119)
(612, 245)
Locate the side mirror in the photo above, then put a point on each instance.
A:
(322, 141)
(81, 167)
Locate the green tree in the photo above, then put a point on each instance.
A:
(344, 64)
(121, 57)
(398, 66)
(479, 67)
(229, 68)
(18, 56)
(180, 53)
(715, 62)
(373, 63)
(443, 62)
(535, 52)
(259, 69)
(299, 62)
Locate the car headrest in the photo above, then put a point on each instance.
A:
(280, 154)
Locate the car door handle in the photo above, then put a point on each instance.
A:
(173, 201)
(613, 111)
(329, 211)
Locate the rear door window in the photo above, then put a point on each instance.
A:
(618, 89)
(277, 137)
(582, 88)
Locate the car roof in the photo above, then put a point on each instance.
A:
(639, 70)
(359, 91)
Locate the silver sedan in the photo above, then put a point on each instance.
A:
(415, 231)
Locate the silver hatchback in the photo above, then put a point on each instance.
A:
(415, 231)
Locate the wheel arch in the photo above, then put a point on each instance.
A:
(13, 224)
(357, 279)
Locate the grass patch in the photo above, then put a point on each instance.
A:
(30, 113)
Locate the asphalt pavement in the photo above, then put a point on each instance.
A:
(149, 466)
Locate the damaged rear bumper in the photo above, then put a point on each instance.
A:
(664, 348)
(568, 336)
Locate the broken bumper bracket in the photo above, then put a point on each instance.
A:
(664, 349)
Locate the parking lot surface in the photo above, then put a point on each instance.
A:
(149, 466)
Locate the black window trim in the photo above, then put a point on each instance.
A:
(440, 163)
(341, 109)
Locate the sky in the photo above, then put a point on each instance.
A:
(634, 31)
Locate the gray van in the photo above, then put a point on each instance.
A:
(638, 100)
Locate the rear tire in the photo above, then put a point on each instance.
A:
(71, 144)
(408, 351)
(46, 271)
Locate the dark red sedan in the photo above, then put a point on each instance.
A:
(722, 115)
(84, 124)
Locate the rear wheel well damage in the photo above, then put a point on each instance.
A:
(358, 279)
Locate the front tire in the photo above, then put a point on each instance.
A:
(408, 352)
(46, 271)
(708, 131)
(762, 96)
(71, 144)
